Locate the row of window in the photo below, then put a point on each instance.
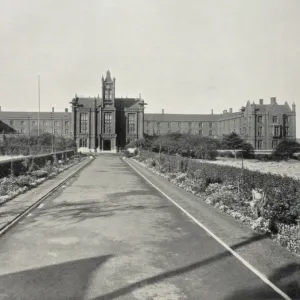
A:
(200, 124)
(55, 131)
(34, 123)
(108, 123)
(259, 144)
(158, 132)
(274, 119)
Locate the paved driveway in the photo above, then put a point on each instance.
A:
(109, 235)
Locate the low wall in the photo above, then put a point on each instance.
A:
(20, 165)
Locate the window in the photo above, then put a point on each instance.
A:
(158, 132)
(107, 122)
(148, 124)
(11, 123)
(274, 144)
(200, 125)
(179, 124)
(83, 123)
(276, 131)
(55, 131)
(286, 131)
(190, 124)
(131, 123)
(169, 130)
(55, 123)
(22, 130)
(287, 119)
(210, 133)
(148, 131)
(33, 123)
(259, 131)
(169, 124)
(67, 132)
(22, 123)
(259, 144)
(275, 119)
(158, 124)
(45, 123)
(45, 129)
(200, 132)
(210, 125)
(83, 143)
(259, 119)
(67, 123)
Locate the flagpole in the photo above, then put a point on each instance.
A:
(39, 105)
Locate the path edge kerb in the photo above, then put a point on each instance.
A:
(255, 271)
(17, 219)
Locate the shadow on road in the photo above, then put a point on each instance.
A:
(68, 280)
(286, 278)
(263, 292)
(71, 280)
(74, 212)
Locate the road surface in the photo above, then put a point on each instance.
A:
(109, 234)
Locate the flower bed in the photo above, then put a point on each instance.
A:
(12, 186)
(230, 190)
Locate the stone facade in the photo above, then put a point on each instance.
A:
(262, 125)
(57, 123)
(107, 123)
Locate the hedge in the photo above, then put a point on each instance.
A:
(283, 193)
(19, 166)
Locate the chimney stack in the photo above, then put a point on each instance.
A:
(52, 109)
(261, 101)
(66, 110)
(273, 100)
(163, 111)
(230, 110)
(212, 111)
(225, 111)
(294, 107)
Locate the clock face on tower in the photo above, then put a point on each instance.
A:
(107, 86)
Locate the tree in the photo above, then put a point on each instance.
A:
(286, 149)
(234, 142)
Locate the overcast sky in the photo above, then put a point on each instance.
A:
(182, 56)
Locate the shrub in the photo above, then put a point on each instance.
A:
(40, 173)
(23, 180)
(286, 149)
(283, 192)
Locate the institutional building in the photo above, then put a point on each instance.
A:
(263, 125)
(106, 123)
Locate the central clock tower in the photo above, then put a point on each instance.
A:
(108, 90)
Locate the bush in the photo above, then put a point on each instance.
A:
(39, 173)
(286, 149)
(283, 193)
(23, 180)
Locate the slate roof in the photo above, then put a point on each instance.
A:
(33, 115)
(88, 102)
(181, 117)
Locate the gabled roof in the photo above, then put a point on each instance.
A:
(128, 102)
(88, 102)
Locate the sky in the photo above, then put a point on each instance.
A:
(181, 56)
